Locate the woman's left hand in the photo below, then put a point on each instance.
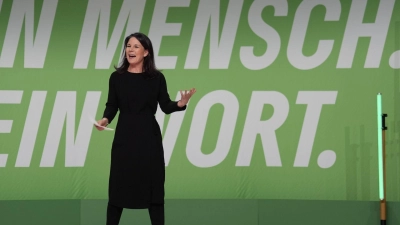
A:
(185, 96)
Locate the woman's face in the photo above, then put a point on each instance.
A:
(135, 52)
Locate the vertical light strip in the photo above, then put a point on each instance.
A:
(380, 153)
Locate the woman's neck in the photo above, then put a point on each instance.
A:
(135, 69)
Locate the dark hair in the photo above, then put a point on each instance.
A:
(149, 65)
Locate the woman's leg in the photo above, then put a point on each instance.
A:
(113, 214)
(156, 212)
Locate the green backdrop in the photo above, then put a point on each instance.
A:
(285, 108)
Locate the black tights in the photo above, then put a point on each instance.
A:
(156, 212)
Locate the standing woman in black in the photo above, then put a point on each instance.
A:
(137, 172)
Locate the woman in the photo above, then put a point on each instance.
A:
(137, 172)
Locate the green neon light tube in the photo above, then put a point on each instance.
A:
(380, 150)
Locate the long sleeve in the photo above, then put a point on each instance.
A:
(112, 100)
(166, 105)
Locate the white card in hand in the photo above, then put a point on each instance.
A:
(95, 123)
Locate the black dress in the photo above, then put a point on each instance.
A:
(137, 172)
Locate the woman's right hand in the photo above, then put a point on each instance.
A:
(103, 122)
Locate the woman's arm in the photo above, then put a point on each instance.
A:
(112, 100)
(166, 105)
